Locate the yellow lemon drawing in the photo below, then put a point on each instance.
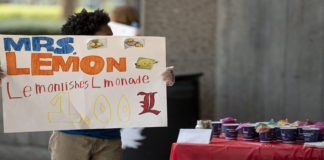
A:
(145, 63)
(99, 44)
(130, 39)
(92, 44)
(138, 45)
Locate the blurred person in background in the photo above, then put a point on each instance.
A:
(124, 21)
(125, 14)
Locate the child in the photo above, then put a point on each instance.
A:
(95, 144)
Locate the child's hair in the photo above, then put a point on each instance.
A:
(85, 23)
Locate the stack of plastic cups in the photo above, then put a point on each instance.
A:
(273, 132)
(256, 135)
(300, 135)
(217, 128)
(288, 134)
(267, 136)
(230, 131)
(321, 136)
(249, 132)
(311, 134)
(278, 134)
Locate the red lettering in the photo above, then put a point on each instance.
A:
(123, 80)
(76, 85)
(108, 83)
(131, 81)
(117, 81)
(9, 93)
(148, 103)
(145, 79)
(39, 88)
(29, 90)
(93, 86)
(57, 87)
(50, 88)
(87, 85)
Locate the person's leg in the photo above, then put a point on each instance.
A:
(107, 149)
(70, 147)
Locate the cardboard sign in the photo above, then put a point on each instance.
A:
(201, 136)
(82, 82)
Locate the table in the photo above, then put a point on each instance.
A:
(221, 149)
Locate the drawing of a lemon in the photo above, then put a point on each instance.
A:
(130, 39)
(145, 63)
(95, 43)
(138, 45)
(92, 44)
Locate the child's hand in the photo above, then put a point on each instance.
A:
(168, 76)
(2, 75)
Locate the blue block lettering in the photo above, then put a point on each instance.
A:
(9, 42)
(66, 47)
(48, 45)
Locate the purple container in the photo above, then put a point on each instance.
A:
(300, 135)
(278, 134)
(288, 134)
(273, 132)
(248, 133)
(321, 134)
(321, 137)
(266, 137)
(311, 134)
(256, 135)
(217, 128)
(230, 132)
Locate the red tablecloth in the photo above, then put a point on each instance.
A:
(221, 149)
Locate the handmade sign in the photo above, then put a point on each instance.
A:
(82, 82)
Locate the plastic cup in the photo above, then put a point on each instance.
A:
(311, 134)
(273, 132)
(278, 134)
(223, 129)
(230, 132)
(321, 137)
(217, 128)
(288, 134)
(248, 133)
(256, 135)
(321, 134)
(300, 135)
(266, 137)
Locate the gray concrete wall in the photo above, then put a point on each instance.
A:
(270, 59)
(261, 59)
(189, 27)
